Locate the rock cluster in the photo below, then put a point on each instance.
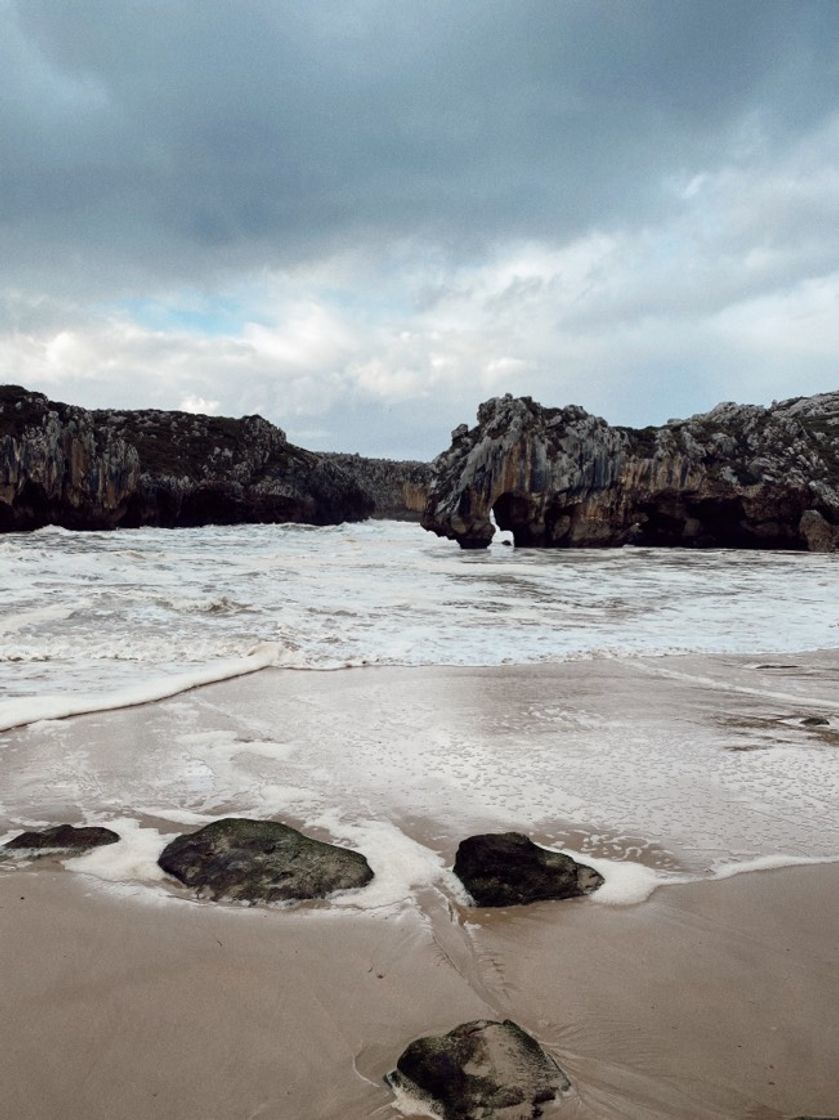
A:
(480, 1070)
(738, 476)
(98, 469)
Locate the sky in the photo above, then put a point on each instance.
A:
(361, 219)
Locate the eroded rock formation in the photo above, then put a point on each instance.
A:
(261, 861)
(738, 476)
(398, 487)
(97, 469)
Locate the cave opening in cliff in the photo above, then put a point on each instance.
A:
(512, 511)
(703, 523)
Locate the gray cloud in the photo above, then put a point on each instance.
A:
(362, 218)
(169, 138)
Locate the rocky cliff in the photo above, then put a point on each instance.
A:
(398, 487)
(96, 469)
(738, 476)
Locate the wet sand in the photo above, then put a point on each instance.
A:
(711, 999)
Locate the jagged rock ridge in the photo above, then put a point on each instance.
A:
(97, 469)
(398, 487)
(738, 476)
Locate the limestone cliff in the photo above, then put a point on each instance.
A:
(97, 469)
(398, 487)
(738, 476)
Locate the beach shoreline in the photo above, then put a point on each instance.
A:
(710, 997)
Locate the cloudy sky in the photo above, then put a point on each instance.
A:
(362, 218)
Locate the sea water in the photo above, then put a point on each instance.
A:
(96, 613)
(94, 621)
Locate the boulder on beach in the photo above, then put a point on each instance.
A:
(480, 1071)
(261, 861)
(64, 836)
(508, 869)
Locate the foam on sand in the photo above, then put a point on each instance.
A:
(41, 709)
(401, 866)
(626, 883)
(31, 709)
(132, 859)
(768, 863)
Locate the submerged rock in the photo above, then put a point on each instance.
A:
(261, 861)
(508, 869)
(480, 1071)
(738, 476)
(815, 721)
(64, 836)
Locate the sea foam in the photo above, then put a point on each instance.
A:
(140, 614)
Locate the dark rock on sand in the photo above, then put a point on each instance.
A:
(261, 861)
(739, 476)
(99, 469)
(64, 836)
(480, 1071)
(508, 869)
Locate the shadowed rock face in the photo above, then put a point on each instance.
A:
(398, 487)
(97, 469)
(261, 861)
(479, 1071)
(739, 476)
(508, 869)
(64, 836)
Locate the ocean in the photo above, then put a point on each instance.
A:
(668, 717)
(673, 743)
(98, 618)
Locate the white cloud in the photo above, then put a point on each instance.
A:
(199, 406)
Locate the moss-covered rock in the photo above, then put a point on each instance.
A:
(508, 869)
(480, 1071)
(261, 861)
(64, 836)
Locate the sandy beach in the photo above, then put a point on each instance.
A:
(709, 1000)
(701, 993)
